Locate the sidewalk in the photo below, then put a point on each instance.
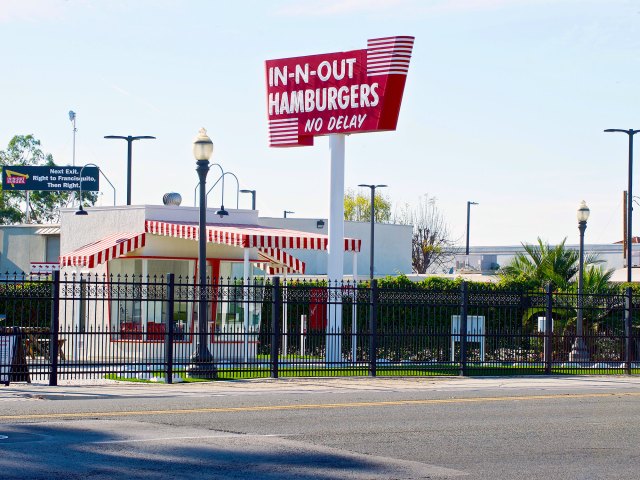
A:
(106, 389)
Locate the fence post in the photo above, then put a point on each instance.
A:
(464, 293)
(168, 338)
(55, 325)
(373, 329)
(276, 311)
(628, 347)
(548, 331)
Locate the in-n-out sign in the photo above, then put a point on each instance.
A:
(337, 93)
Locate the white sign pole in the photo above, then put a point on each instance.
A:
(335, 260)
(246, 280)
(354, 311)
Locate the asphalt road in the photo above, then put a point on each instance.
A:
(516, 428)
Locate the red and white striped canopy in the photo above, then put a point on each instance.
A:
(284, 263)
(269, 242)
(248, 236)
(113, 246)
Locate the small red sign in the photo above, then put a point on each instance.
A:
(344, 92)
(318, 298)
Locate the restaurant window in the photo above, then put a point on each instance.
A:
(234, 297)
(138, 302)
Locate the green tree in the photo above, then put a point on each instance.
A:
(357, 207)
(596, 280)
(542, 263)
(44, 206)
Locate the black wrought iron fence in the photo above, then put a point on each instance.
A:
(146, 328)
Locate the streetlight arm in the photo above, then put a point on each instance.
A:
(130, 138)
(101, 173)
(253, 197)
(630, 132)
(237, 188)
(198, 184)
(109, 181)
(216, 183)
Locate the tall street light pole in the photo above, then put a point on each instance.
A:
(373, 219)
(468, 223)
(72, 118)
(286, 212)
(253, 197)
(579, 351)
(631, 132)
(130, 139)
(202, 361)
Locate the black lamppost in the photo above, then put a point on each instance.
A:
(631, 132)
(468, 223)
(129, 140)
(286, 212)
(253, 197)
(579, 351)
(373, 219)
(202, 360)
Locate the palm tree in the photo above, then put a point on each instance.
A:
(543, 263)
(540, 264)
(596, 280)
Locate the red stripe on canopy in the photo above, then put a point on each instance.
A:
(249, 236)
(284, 262)
(110, 247)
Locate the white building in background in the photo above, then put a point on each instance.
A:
(489, 259)
(29, 248)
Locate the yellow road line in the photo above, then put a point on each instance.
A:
(263, 408)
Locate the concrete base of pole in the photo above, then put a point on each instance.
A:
(579, 351)
(202, 367)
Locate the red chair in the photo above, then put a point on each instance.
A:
(155, 331)
(130, 331)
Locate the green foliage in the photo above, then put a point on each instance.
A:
(596, 280)
(543, 263)
(26, 304)
(44, 206)
(357, 207)
(444, 284)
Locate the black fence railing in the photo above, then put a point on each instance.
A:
(146, 328)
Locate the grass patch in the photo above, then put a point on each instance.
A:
(240, 373)
(182, 375)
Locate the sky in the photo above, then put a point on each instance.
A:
(505, 103)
